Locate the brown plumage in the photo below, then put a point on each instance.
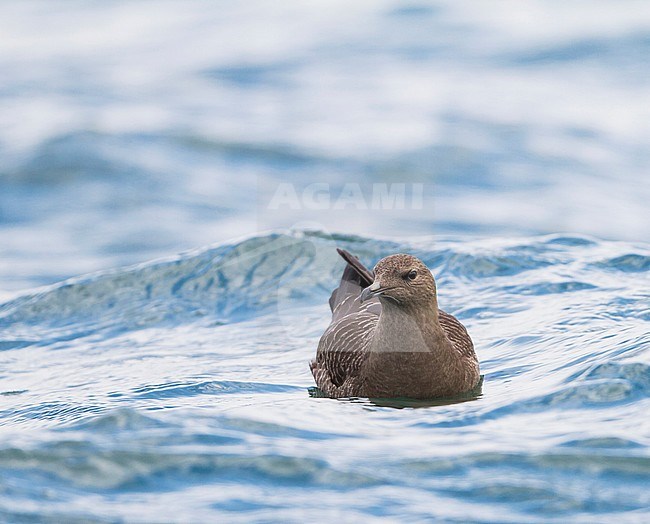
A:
(388, 339)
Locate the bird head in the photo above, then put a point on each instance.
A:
(403, 280)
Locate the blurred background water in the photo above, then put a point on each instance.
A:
(139, 384)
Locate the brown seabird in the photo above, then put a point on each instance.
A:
(388, 339)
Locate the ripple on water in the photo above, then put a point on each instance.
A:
(549, 288)
(59, 412)
(603, 443)
(470, 266)
(212, 387)
(630, 263)
(138, 468)
(610, 383)
(570, 241)
(545, 482)
(635, 373)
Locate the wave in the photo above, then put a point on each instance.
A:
(84, 465)
(237, 281)
(151, 453)
(223, 283)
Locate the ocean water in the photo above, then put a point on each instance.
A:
(178, 390)
(159, 304)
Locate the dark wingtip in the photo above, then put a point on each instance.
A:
(346, 255)
(367, 276)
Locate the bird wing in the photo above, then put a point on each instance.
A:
(457, 334)
(355, 277)
(343, 346)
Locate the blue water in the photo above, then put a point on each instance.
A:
(158, 312)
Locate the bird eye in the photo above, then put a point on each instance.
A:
(412, 274)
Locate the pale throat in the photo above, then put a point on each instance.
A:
(408, 329)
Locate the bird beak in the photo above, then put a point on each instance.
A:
(371, 291)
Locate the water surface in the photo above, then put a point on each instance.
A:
(138, 384)
(178, 390)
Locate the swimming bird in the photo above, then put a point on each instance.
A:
(388, 339)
